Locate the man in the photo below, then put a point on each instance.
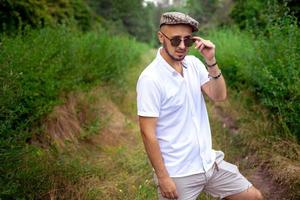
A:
(173, 118)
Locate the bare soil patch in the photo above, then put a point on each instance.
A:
(264, 175)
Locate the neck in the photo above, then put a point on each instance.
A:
(175, 64)
(171, 61)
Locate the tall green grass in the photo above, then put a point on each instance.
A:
(36, 68)
(266, 63)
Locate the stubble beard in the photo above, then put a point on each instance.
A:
(170, 55)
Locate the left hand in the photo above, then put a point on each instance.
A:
(205, 47)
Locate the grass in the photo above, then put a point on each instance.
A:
(37, 69)
(89, 146)
(110, 164)
(249, 140)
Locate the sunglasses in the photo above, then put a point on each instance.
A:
(175, 41)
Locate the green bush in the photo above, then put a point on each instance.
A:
(266, 64)
(39, 13)
(233, 48)
(35, 69)
(257, 14)
(275, 72)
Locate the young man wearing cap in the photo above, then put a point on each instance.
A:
(174, 122)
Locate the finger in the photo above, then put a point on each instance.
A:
(163, 194)
(208, 44)
(197, 38)
(201, 40)
(168, 195)
(176, 196)
(201, 48)
(172, 195)
(197, 46)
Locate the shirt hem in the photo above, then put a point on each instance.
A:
(193, 173)
(147, 114)
(204, 82)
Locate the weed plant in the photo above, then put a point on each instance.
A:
(36, 68)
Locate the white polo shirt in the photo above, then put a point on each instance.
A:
(183, 129)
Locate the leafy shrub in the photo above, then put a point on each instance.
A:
(35, 69)
(274, 74)
(266, 64)
(257, 14)
(233, 48)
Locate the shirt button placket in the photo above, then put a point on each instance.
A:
(195, 121)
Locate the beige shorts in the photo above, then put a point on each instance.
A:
(222, 180)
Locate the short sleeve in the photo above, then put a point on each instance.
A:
(203, 73)
(148, 97)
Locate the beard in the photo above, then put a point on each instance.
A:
(170, 55)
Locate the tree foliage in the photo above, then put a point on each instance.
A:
(272, 72)
(130, 16)
(202, 10)
(257, 14)
(15, 14)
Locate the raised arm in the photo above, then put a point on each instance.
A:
(148, 131)
(216, 87)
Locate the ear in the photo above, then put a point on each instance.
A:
(160, 37)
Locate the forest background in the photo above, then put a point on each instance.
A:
(51, 49)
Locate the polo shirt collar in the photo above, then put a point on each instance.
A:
(167, 65)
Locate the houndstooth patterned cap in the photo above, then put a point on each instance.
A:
(178, 18)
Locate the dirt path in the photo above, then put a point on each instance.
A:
(259, 176)
(268, 186)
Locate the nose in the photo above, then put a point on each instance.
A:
(181, 44)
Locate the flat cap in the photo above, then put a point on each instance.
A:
(173, 18)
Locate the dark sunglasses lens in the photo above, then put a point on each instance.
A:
(175, 41)
(189, 42)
